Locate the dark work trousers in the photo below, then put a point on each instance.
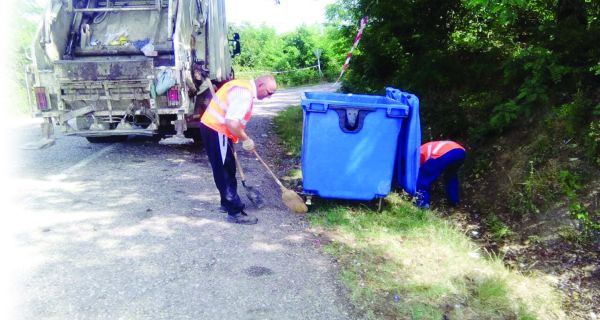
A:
(429, 171)
(223, 173)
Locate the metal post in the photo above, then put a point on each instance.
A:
(108, 103)
(28, 89)
(170, 14)
(318, 55)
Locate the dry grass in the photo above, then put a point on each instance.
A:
(405, 263)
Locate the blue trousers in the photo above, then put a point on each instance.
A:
(223, 171)
(429, 171)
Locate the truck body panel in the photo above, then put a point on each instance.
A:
(105, 68)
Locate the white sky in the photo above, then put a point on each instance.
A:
(284, 16)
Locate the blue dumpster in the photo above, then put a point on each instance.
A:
(350, 144)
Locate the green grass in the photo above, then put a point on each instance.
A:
(288, 125)
(498, 229)
(407, 263)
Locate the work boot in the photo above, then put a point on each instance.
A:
(241, 218)
(224, 210)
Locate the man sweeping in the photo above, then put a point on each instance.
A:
(439, 157)
(225, 119)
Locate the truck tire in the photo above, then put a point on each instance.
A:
(194, 133)
(197, 141)
(107, 139)
(157, 137)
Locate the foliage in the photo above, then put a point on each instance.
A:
(570, 184)
(291, 56)
(589, 221)
(542, 187)
(497, 228)
(24, 23)
(537, 191)
(482, 65)
(592, 142)
(592, 137)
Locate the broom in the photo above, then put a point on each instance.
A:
(290, 198)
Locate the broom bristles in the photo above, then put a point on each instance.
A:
(293, 201)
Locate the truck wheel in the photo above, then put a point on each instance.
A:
(194, 133)
(107, 139)
(157, 137)
(197, 141)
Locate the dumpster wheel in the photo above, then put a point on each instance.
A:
(307, 196)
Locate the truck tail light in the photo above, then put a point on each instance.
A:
(173, 96)
(40, 98)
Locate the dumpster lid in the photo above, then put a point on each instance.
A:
(321, 101)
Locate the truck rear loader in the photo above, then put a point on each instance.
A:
(109, 69)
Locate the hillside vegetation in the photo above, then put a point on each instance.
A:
(516, 81)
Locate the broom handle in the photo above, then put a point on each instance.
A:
(269, 169)
(239, 165)
(209, 84)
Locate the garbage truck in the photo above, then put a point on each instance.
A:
(109, 69)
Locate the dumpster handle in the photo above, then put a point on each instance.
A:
(397, 112)
(316, 107)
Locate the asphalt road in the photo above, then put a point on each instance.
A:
(132, 231)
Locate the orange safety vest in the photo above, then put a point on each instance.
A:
(214, 116)
(436, 149)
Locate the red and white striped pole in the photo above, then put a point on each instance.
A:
(363, 23)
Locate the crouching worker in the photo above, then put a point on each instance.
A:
(439, 157)
(223, 121)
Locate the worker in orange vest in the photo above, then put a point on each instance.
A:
(439, 157)
(224, 121)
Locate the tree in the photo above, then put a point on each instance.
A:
(290, 55)
(25, 17)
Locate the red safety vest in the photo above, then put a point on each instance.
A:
(436, 149)
(214, 116)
